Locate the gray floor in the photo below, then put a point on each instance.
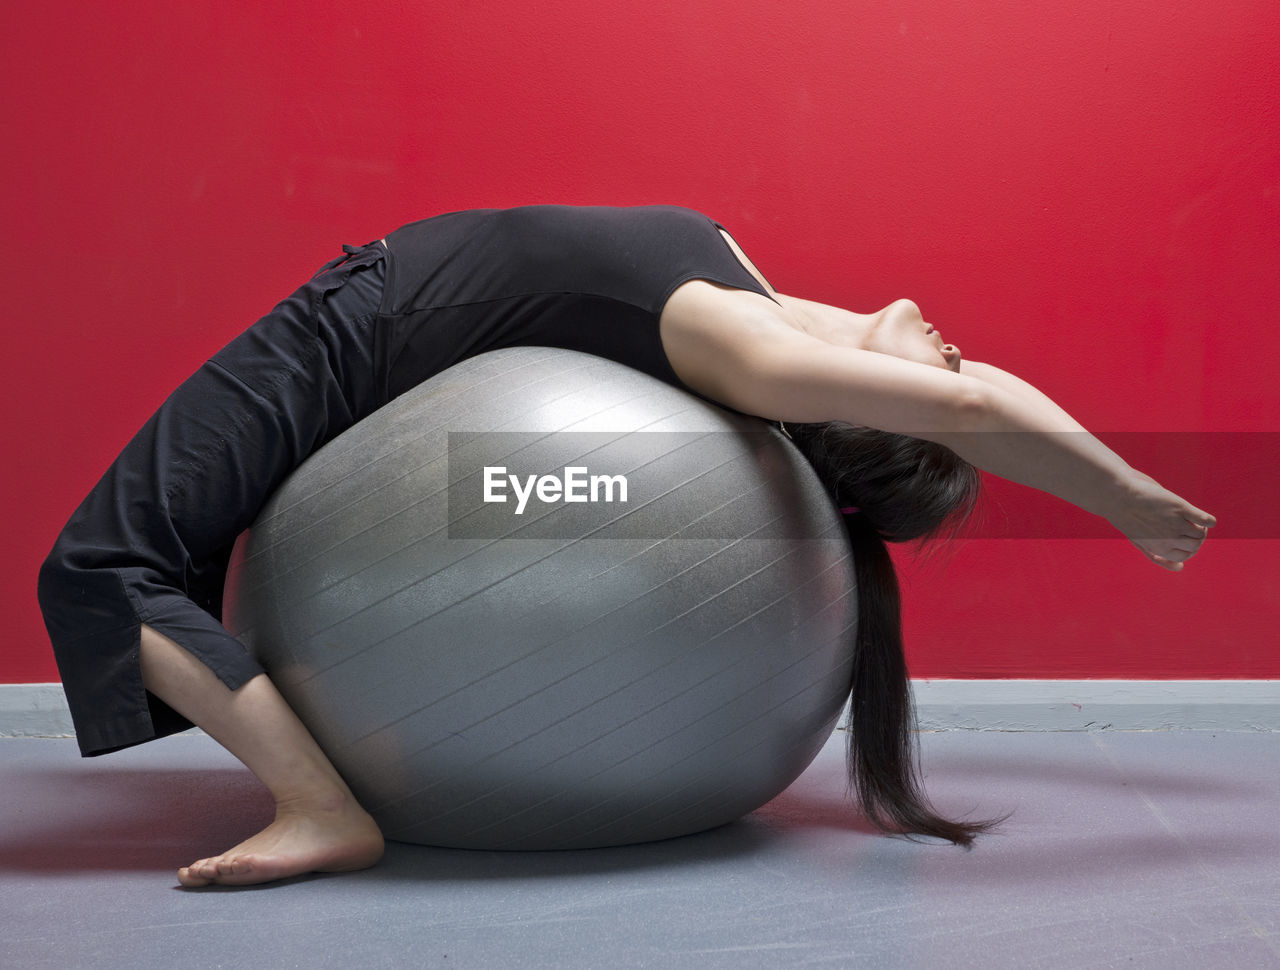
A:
(1135, 850)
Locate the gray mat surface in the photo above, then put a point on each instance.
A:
(1137, 850)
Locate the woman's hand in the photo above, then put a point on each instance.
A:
(1168, 529)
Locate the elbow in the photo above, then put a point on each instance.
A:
(971, 408)
(966, 410)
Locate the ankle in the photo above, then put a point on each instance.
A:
(320, 799)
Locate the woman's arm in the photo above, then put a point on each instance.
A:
(1164, 526)
(1017, 407)
(1031, 396)
(1001, 425)
(1024, 439)
(1030, 440)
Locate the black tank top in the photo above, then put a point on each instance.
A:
(593, 279)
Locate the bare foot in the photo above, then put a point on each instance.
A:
(336, 838)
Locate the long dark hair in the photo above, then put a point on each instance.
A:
(904, 489)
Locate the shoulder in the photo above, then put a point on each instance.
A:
(711, 333)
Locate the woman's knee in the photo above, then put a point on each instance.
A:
(71, 593)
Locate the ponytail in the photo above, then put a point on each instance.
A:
(898, 488)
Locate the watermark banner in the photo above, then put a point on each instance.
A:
(736, 485)
(649, 485)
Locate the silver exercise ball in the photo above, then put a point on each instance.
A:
(656, 642)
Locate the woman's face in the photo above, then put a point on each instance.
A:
(901, 331)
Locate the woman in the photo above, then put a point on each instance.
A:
(132, 589)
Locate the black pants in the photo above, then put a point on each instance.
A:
(151, 542)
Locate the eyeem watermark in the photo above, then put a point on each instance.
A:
(576, 485)
(745, 485)
(569, 486)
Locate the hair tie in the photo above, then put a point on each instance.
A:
(850, 510)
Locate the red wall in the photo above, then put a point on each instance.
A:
(1085, 193)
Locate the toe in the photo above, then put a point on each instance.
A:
(190, 876)
(247, 870)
